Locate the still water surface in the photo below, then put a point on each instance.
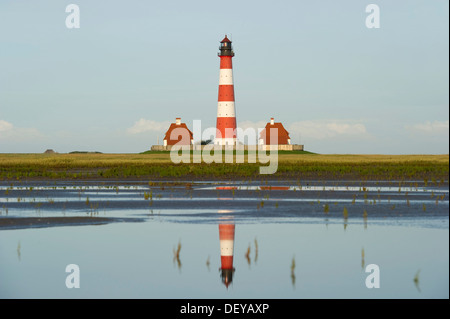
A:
(285, 248)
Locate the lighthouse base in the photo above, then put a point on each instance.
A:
(225, 141)
(238, 146)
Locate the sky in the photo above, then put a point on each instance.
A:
(115, 84)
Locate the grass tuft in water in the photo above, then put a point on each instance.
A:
(345, 213)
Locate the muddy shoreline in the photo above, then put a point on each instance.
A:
(92, 176)
(41, 222)
(48, 203)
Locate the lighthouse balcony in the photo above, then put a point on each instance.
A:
(226, 52)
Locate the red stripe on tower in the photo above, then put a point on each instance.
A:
(226, 113)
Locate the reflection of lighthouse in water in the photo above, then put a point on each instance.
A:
(226, 236)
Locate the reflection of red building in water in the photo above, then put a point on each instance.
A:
(278, 188)
(226, 235)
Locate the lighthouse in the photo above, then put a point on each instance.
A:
(226, 236)
(226, 113)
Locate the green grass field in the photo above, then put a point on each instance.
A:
(158, 165)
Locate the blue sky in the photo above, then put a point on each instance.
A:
(116, 83)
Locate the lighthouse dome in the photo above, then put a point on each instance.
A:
(225, 40)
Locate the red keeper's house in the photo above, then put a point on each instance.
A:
(281, 137)
(178, 133)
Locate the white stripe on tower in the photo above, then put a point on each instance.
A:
(225, 109)
(226, 77)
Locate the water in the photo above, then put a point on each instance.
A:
(287, 247)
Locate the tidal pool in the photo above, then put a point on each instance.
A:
(209, 241)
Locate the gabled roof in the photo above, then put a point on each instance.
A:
(283, 135)
(175, 126)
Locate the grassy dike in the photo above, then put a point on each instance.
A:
(158, 165)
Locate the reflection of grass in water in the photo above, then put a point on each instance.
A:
(19, 247)
(4, 208)
(345, 213)
(176, 255)
(247, 255)
(94, 209)
(148, 196)
(208, 262)
(38, 206)
(363, 262)
(365, 218)
(256, 250)
(293, 271)
(416, 280)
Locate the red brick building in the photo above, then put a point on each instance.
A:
(282, 138)
(178, 133)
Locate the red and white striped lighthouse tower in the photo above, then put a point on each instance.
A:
(226, 113)
(226, 236)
